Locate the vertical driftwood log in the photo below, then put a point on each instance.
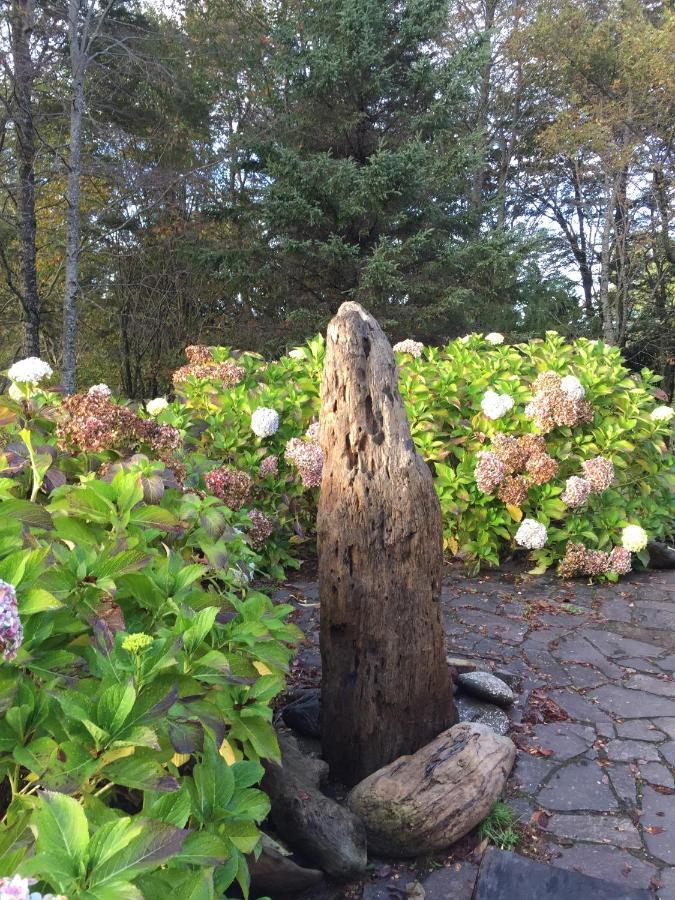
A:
(385, 683)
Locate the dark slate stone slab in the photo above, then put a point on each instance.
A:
(578, 786)
(632, 704)
(456, 881)
(658, 824)
(609, 863)
(505, 876)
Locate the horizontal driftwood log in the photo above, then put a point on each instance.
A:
(427, 801)
(327, 834)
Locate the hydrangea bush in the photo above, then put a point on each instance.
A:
(137, 660)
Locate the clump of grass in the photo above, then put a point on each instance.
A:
(498, 828)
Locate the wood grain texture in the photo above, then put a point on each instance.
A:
(385, 684)
(426, 802)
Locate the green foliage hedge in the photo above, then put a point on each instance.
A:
(443, 390)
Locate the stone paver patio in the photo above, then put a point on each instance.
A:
(595, 767)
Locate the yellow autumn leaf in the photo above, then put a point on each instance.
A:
(453, 544)
(227, 752)
(515, 512)
(261, 668)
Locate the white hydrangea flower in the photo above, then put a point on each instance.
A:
(264, 421)
(662, 414)
(571, 386)
(15, 393)
(634, 538)
(102, 390)
(496, 405)
(494, 338)
(531, 534)
(414, 348)
(296, 353)
(31, 370)
(156, 406)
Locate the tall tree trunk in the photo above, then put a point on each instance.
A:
(482, 116)
(583, 260)
(385, 684)
(609, 333)
(77, 60)
(22, 23)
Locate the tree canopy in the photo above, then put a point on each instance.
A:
(241, 168)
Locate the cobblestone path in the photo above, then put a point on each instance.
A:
(598, 761)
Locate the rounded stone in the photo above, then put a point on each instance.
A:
(486, 686)
(469, 710)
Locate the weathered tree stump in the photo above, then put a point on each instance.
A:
(385, 683)
(426, 802)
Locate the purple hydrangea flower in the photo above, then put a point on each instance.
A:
(11, 630)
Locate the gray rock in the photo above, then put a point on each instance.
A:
(632, 704)
(659, 686)
(485, 686)
(611, 863)
(456, 881)
(470, 710)
(661, 556)
(304, 714)
(325, 833)
(656, 773)
(639, 730)
(275, 873)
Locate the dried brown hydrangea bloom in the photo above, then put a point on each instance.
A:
(198, 353)
(597, 563)
(227, 373)
(548, 382)
(553, 405)
(513, 490)
(307, 457)
(574, 561)
(92, 422)
(620, 562)
(510, 451)
(269, 466)
(261, 527)
(532, 443)
(490, 471)
(231, 485)
(571, 412)
(599, 472)
(579, 560)
(577, 491)
(542, 468)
